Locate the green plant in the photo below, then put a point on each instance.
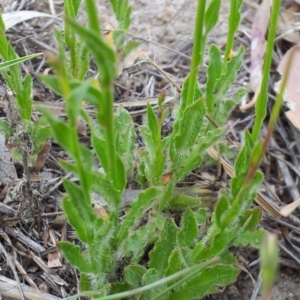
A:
(19, 107)
(164, 162)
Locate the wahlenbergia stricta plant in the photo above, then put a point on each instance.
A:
(161, 257)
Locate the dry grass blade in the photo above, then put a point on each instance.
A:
(260, 199)
(289, 208)
(12, 266)
(12, 18)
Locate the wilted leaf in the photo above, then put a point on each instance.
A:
(287, 26)
(53, 260)
(42, 156)
(12, 18)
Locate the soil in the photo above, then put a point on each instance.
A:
(165, 28)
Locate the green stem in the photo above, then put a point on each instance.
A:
(231, 29)
(108, 98)
(109, 132)
(197, 50)
(66, 91)
(94, 22)
(261, 105)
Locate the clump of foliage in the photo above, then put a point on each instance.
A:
(187, 259)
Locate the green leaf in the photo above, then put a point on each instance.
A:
(237, 14)
(136, 242)
(123, 12)
(133, 275)
(241, 165)
(213, 74)
(85, 91)
(216, 244)
(69, 167)
(165, 199)
(201, 215)
(69, 8)
(255, 214)
(221, 208)
(125, 142)
(73, 254)
(160, 221)
(228, 258)
(144, 201)
(229, 73)
(163, 247)
(152, 157)
(99, 146)
(207, 282)
(76, 220)
(105, 188)
(184, 95)
(119, 37)
(152, 275)
(39, 133)
(246, 197)
(83, 62)
(61, 131)
(78, 207)
(174, 263)
(220, 77)
(53, 84)
(12, 62)
(119, 287)
(120, 179)
(253, 238)
(194, 157)
(3, 39)
(189, 230)
(153, 124)
(182, 202)
(211, 15)
(84, 283)
(131, 45)
(186, 130)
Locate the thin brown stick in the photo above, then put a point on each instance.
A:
(12, 266)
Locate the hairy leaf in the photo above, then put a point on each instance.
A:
(163, 247)
(73, 254)
(189, 229)
(144, 201)
(206, 282)
(133, 275)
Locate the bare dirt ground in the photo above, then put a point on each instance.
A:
(165, 29)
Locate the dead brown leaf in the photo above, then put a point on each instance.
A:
(53, 260)
(287, 24)
(292, 90)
